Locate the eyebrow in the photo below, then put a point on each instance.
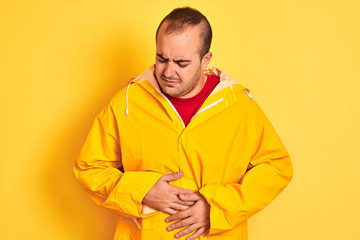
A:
(177, 61)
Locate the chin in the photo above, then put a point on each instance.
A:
(170, 91)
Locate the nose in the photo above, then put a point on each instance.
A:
(169, 70)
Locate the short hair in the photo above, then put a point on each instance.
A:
(181, 19)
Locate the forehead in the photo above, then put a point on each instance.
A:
(178, 44)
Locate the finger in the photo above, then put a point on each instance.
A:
(187, 230)
(173, 196)
(172, 176)
(180, 224)
(177, 200)
(178, 215)
(185, 203)
(177, 206)
(191, 197)
(179, 190)
(197, 234)
(170, 211)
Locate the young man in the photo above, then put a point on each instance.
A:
(183, 151)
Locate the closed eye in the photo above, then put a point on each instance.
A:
(183, 65)
(161, 58)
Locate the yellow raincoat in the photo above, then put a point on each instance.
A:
(139, 136)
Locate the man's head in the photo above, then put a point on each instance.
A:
(181, 19)
(183, 41)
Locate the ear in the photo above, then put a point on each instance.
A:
(206, 60)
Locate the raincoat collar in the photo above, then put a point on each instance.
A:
(222, 96)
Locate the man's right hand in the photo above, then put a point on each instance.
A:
(165, 197)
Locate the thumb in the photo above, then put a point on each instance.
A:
(172, 176)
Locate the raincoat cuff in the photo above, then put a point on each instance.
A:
(139, 184)
(218, 221)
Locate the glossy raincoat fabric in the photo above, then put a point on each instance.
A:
(138, 136)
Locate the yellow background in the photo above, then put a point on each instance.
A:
(61, 61)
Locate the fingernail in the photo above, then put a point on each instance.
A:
(167, 220)
(169, 228)
(177, 236)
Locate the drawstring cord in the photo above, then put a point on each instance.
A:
(126, 97)
(248, 94)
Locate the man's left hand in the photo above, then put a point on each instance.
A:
(196, 218)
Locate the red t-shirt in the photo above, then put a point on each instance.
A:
(188, 107)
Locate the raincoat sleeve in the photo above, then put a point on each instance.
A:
(271, 172)
(98, 167)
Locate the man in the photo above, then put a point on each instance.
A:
(183, 151)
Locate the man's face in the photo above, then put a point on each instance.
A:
(178, 67)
